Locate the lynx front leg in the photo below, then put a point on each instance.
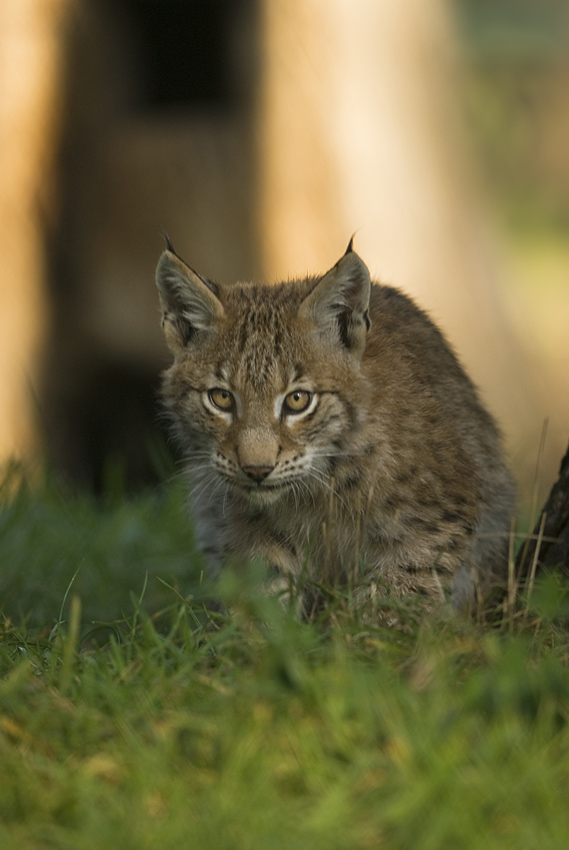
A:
(208, 509)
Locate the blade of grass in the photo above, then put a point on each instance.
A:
(70, 644)
(534, 563)
(534, 495)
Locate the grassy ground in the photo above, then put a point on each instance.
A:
(132, 718)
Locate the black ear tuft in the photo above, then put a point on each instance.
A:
(350, 247)
(168, 241)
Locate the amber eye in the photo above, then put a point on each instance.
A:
(221, 398)
(297, 401)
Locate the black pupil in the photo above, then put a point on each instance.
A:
(220, 397)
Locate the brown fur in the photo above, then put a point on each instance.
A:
(394, 459)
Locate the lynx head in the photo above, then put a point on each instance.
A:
(265, 389)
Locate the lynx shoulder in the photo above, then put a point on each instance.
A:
(325, 420)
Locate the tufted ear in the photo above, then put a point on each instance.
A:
(189, 302)
(338, 305)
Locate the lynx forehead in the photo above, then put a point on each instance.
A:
(332, 403)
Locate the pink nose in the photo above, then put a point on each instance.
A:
(257, 473)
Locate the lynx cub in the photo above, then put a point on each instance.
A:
(326, 420)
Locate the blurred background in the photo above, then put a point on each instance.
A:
(260, 134)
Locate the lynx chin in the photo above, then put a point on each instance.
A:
(327, 423)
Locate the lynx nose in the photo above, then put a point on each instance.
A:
(257, 473)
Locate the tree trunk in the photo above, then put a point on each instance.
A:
(550, 539)
(31, 48)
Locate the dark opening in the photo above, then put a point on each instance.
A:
(183, 51)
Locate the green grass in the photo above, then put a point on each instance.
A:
(132, 718)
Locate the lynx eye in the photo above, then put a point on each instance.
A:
(297, 401)
(222, 399)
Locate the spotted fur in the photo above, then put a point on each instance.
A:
(391, 457)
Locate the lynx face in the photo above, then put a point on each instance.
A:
(258, 388)
(271, 441)
(327, 419)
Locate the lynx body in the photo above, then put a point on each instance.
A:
(326, 421)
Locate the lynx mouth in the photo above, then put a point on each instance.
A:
(263, 492)
(264, 495)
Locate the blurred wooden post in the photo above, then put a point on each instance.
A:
(31, 48)
(359, 129)
(300, 226)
